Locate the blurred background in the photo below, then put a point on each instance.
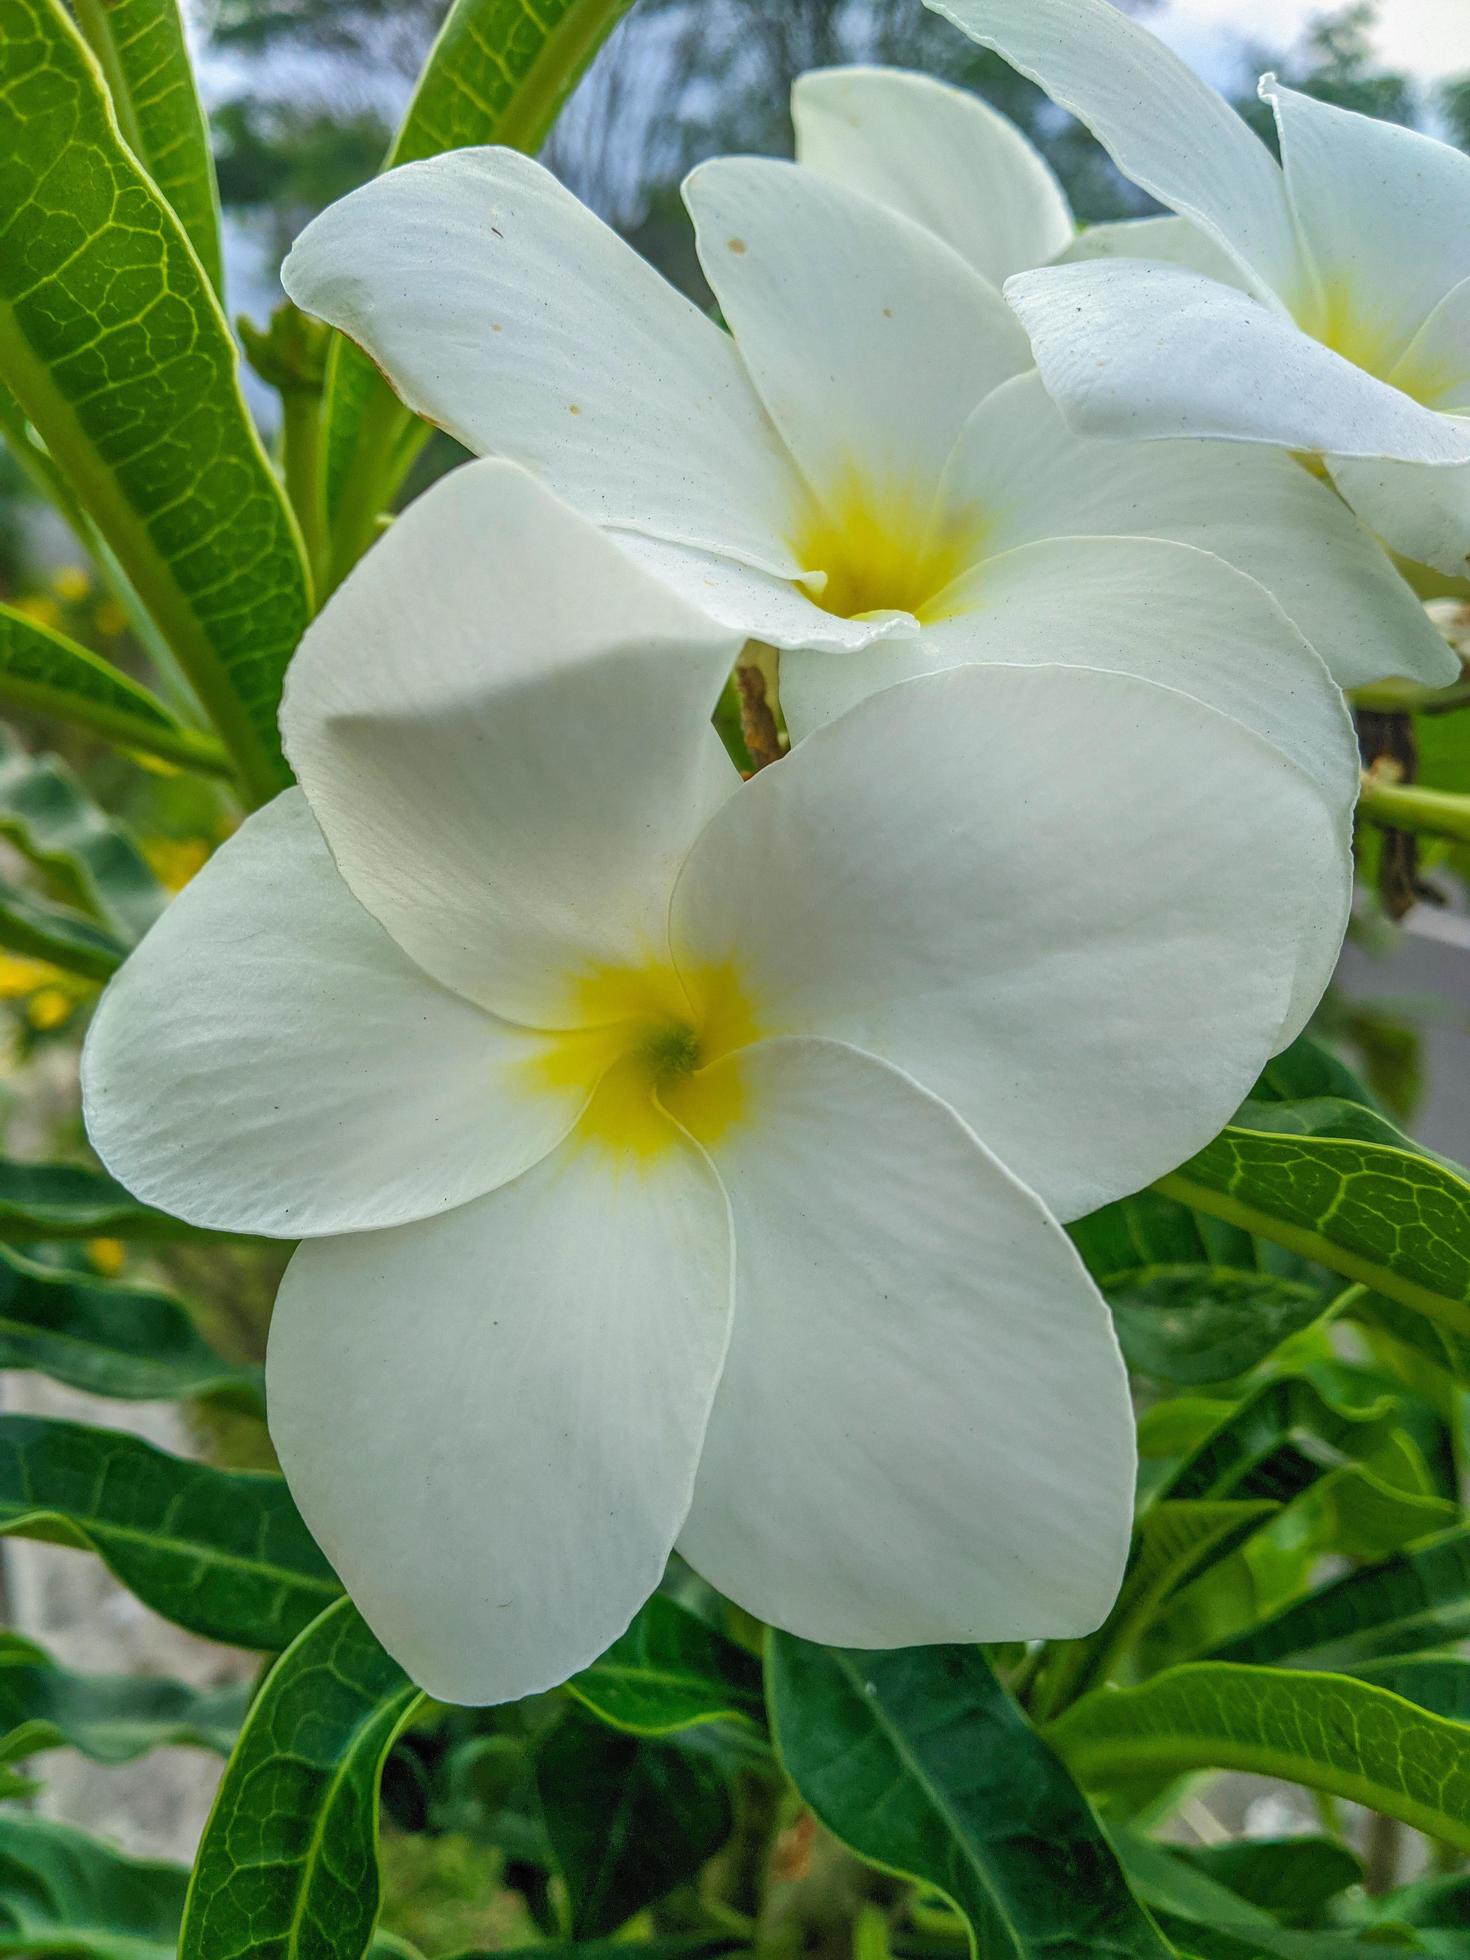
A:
(304, 96)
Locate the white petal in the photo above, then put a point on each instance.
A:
(1423, 513)
(1059, 899)
(1135, 350)
(1250, 505)
(923, 1430)
(939, 155)
(1166, 241)
(491, 1421)
(506, 312)
(503, 728)
(269, 1061)
(1435, 366)
(754, 604)
(1163, 127)
(1146, 606)
(869, 339)
(1382, 213)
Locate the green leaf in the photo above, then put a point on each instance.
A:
(44, 673)
(1173, 1544)
(130, 1342)
(628, 1820)
(1191, 1325)
(1291, 1878)
(1207, 1917)
(64, 1894)
(221, 1552)
(1331, 1733)
(89, 860)
(288, 1863)
(68, 1201)
(1438, 1682)
(140, 47)
(115, 348)
(671, 1670)
(921, 1764)
(1281, 1440)
(1420, 1598)
(110, 1718)
(57, 935)
(1378, 1211)
(498, 73)
(1307, 1069)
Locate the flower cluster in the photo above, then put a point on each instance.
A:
(680, 1161)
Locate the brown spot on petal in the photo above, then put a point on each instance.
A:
(735, 245)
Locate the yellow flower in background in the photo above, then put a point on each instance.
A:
(41, 608)
(109, 618)
(107, 1256)
(71, 583)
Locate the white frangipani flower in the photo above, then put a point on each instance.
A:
(677, 1159)
(1345, 332)
(866, 459)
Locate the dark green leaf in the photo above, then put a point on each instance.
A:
(1173, 1545)
(44, 673)
(288, 1865)
(1331, 1733)
(498, 73)
(57, 935)
(1377, 1211)
(1196, 1324)
(922, 1764)
(64, 1894)
(1207, 1917)
(221, 1552)
(114, 345)
(89, 860)
(68, 1201)
(1420, 1598)
(1307, 1069)
(141, 49)
(670, 1671)
(1438, 1682)
(109, 1717)
(1279, 1441)
(628, 1820)
(1291, 1878)
(125, 1341)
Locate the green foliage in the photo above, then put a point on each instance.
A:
(44, 673)
(1418, 1599)
(1347, 1738)
(63, 1895)
(88, 860)
(115, 348)
(628, 1820)
(140, 47)
(220, 1552)
(110, 1718)
(55, 933)
(671, 1670)
(922, 1763)
(67, 1201)
(1375, 1209)
(288, 1863)
(125, 1341)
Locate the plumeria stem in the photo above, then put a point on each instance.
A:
(755, 678)
(1410, 697)
(1406, 806)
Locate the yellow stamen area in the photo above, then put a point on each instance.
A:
(651, 1044)
(1339, 322)
(884, 550)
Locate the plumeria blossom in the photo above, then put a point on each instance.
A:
(866, 470)
(677, 1161)
(1345, 330)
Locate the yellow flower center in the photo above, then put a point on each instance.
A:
(1341, 323)
(656, 1049)
(883, 551)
